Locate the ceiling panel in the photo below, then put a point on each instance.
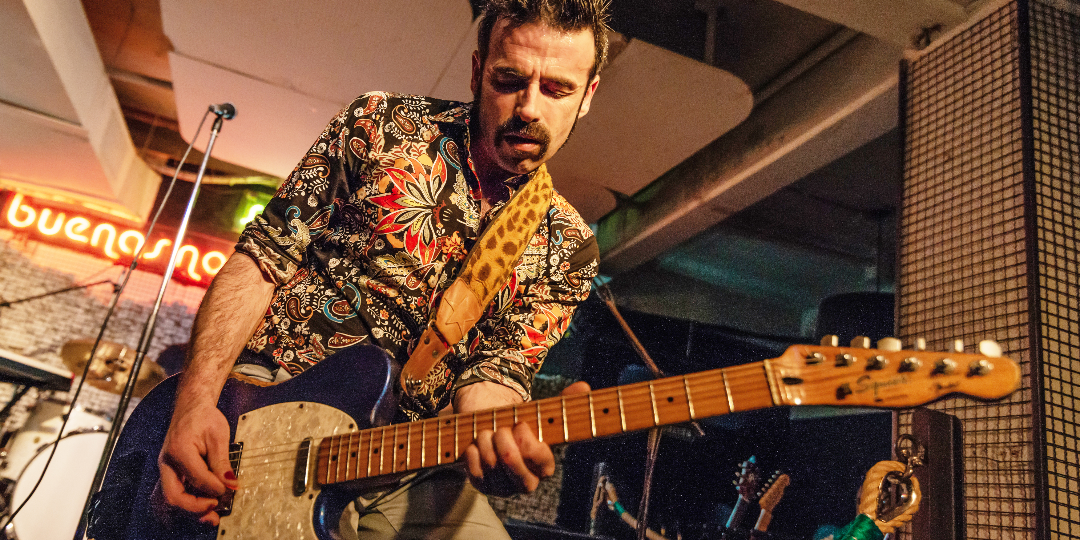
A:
(652, 110)
(332, 49)
(273, 127)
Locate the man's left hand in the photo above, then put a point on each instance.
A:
(510, 460)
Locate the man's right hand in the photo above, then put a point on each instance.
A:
(194, 462)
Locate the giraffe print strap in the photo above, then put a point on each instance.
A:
(486, 269)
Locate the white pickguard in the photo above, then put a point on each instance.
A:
(264, 506)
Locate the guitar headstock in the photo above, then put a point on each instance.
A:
(748, 481)
(889, 376)
(775, 492)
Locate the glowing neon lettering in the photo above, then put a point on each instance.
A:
(210, 268)
(192, 260)
(17, 207)
(158, 247)
(111, 241)
(96, 237)
(47, 230)
(124, 241)
(74, 228)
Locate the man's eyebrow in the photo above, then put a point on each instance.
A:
(513, 72)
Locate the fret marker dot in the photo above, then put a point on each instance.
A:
(670, 399)
(353, 454)
(375, 451)
(400, 446)
(605, 410)
(447, 454)
(551, 420)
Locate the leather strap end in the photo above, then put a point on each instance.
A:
(429, 350)
(459, 310)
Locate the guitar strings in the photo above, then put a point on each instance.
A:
(707, 386)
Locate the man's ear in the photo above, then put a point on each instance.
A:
(587, 100)
(477, 73)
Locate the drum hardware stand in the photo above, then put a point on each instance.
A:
(654, 434)
(222, 112)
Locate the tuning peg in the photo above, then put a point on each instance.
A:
(920, 344)
(877, 362)
(910, 364)
(990, 348)
(815, 358)
(844, 360)
(958, 346)
(979, 368)
(889, 344)
(830, 341)
(860, 342)
(945, 366)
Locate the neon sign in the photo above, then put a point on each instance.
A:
(106, 239)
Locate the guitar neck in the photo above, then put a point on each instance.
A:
(400, 448)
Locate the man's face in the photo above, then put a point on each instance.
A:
(530, 92)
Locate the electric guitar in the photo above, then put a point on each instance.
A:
(748, 483)
(305, 448)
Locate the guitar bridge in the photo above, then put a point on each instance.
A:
(225, 503)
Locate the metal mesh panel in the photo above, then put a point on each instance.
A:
(975, 209)
(963, 263)
(1055, 55)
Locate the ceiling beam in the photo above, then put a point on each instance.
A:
(66, 37)
(849, 99)
(898, 22)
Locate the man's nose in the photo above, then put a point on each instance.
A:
(528, 103)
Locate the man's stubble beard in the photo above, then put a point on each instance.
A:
(512, 122)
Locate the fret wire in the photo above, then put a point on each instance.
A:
(371, 445)
(515, 415)
(689, 401)
(393, 463)
(652, 400)
(592, 417)
(337, 462)
(474, 426)
(727, 390)
(329, 444)
(622, 416)
(408, 447)
(539, 423)
(493, 415)
(382, 449)
(348, 457)
(773, 389)
(438, 441)
(457, 422)
(423, 442)
(565, 429)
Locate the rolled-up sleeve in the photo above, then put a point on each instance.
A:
(304, 206)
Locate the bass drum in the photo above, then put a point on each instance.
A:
(54, 509)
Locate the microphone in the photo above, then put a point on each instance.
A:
(225, 110)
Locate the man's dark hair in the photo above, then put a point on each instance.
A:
(564, 15)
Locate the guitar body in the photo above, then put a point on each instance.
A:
(347, 391)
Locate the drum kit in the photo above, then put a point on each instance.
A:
(57, 502)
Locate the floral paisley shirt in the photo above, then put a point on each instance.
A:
(374, 224)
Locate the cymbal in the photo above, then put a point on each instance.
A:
(111, 367)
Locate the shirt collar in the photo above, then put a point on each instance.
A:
(459, 116)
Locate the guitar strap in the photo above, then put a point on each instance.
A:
(487, 268)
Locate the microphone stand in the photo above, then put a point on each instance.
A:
(9, 303)
(222, 113)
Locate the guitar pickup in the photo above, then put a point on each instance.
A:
(225, 503)
(302, 473)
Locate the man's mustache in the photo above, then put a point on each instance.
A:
(531, 130)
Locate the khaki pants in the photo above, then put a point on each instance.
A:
(439, 504)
